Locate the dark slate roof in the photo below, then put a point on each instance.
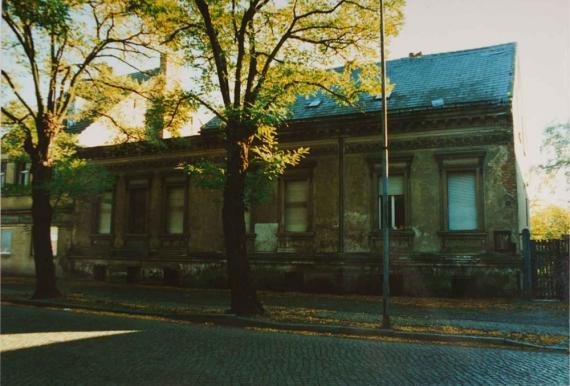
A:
(480, 75)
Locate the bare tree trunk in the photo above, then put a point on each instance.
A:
(41, 216)
(42, 170)
(243, 295)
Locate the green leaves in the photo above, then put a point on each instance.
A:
(267, 163)
(206, 174)
(79, 179)
(551, 222)
(557, 146)
(51, 15)
(272, 159)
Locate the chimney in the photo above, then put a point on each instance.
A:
(169, 68)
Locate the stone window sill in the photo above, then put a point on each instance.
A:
(299, 235)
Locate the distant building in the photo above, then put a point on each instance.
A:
(457, 199)
(16, 232)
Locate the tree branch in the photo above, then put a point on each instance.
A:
(240, 37)
(28, 142)
(17, 94)
(219, 57)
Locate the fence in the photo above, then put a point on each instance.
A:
(546, 267)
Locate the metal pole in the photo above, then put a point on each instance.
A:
(340, 195)
(385, 222)
(527, 264)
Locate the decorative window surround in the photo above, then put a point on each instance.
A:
(7, 236)
(138, 206)
(291, 240)
(400, 239)
(461, 185)
(175, 197)
(174, 230)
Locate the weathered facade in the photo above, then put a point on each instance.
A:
(456, 196)
(16, 231)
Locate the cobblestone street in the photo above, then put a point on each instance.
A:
(68, 348)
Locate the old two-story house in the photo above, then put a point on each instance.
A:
(456, 196)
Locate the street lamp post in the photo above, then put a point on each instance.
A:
(384, 220)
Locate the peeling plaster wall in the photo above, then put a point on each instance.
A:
(499, 189)
(205, 220)
(425, 201)
(20, 261)
(82, 223)
(310, 261)
(500, 192)
(325, 204)
(357, 204)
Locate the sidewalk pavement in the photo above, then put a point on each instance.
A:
(498, 322)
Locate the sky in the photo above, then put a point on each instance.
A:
(541, 30)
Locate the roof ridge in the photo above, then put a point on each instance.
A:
(446, 53)
(458, 52)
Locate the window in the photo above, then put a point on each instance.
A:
(22, 173)
(248, 220)
(398, 189)
(54, 236)
(105, 213)
(396, 202)
(296, 205)
(6, 247)
(461, 191)
(3, 173)
(461, 201)
(175, 209)
(137, 207)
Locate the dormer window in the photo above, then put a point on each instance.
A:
(379, 96)
(315, 102)
(437, 102)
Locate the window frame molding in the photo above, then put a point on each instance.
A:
(299, 173)
(96, 214)
(10, 231)
(23, 168)
(130, 185)
(174, 180)
(457, 162)
(4, 173)
(398, 165)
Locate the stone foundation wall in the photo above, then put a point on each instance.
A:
(363, 276)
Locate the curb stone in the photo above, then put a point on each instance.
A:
(231, 320)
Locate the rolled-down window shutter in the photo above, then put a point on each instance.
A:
(462, 203)
(296, 208)
(395, 185)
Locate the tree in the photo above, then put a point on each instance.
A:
(551, 222)
(251, 59)
(556, 146)
(57, 48)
